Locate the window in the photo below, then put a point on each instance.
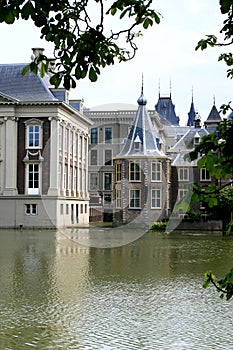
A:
(134, 171)
(181, 193)
(118, 171)
(156, 198)
(33, 178)
(33, 136)
(204, 174)
(118, 198)
(135, 198)
(30, 209)
(183, 174)
(93, 181)
(107, 181)
(67, 209)
(94, 136)
(94, 157)
(108, 135)
(156, 171)
(61, 209)
(108, 157)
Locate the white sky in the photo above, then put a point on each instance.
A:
(166, 53)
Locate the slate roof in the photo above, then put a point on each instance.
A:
(214, 115)
(185, 145)
(141, 132)
(186, 142)
(191, 115)
(26, 88)
(166, 111)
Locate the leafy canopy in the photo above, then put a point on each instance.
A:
(79, 31)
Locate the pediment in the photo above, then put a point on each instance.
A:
(6, 98)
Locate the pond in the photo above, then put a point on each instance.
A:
(58, 292)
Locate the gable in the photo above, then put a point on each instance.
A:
(6, 98)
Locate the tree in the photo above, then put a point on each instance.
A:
(215, 150)
(83, 43)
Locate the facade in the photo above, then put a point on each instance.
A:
(107, 134)
(141, 181)
(114, 194)
(43, 153)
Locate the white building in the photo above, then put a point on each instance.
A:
(43, 153)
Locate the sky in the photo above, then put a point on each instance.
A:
(166, 57)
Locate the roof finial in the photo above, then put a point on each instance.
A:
(170, 88)
(159, 87)
(141, 99)
(214, 100)
(142, 82)
(192, 93)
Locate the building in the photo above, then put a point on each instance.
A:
(43, 153)
(111, 125)
(141, 183)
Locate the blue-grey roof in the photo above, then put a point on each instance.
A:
(29, 87)
(166, 111)
(191, 115)
(186, 142)
(214, 115)
(141, 140)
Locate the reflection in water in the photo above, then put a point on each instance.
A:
(58, 294)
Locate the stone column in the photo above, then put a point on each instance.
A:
(54, 157)
(10, 161)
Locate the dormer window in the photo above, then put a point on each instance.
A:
(196, 138)
(137, 143)
(34, 133)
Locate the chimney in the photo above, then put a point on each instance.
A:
(36, 52)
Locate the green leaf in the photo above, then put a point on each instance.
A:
(10, 17)
(25, 69)
(92, 75)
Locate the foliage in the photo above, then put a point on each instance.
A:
(159, 226)
(215, 150)
(224, 286)
(83, 43)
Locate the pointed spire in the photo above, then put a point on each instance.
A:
(192, 113)
(141, 139)
(142, 100)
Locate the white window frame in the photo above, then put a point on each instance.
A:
(134, 198)
(96, 152)
(156, 197)
(133, 172)
(118, 172)
(204, 172)
(93, 175)
(97, 136)
(33, 123)
(31, 209)
(183, 174)
(104, 182)
(110, 160)
(118, 198)
(181, 193)
(105, 139)
(156, 174)
(33, 190)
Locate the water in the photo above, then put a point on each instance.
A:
(58, 294)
